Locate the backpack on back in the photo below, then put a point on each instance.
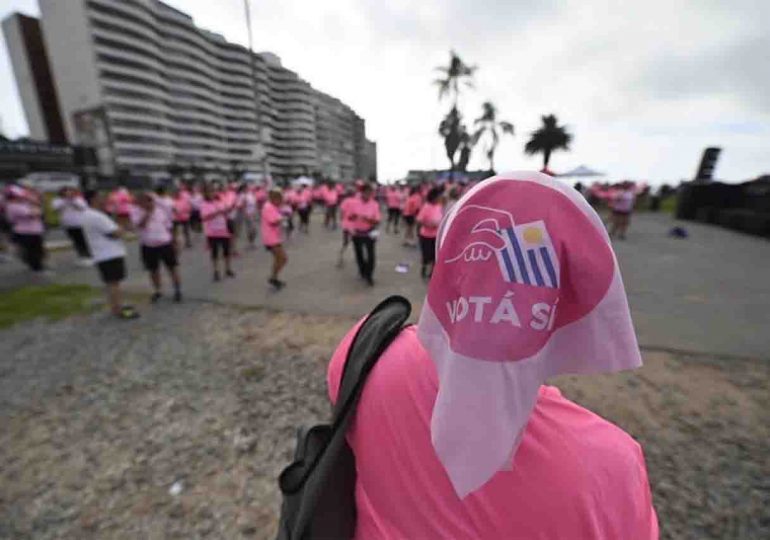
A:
(318, 488)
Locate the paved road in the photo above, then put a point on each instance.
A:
(708, 293)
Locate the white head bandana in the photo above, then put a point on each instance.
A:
(526, 286)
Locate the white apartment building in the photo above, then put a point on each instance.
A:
(139, 81)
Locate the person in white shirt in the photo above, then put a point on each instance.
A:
(152, 220)
(103, 237)
(70, 205)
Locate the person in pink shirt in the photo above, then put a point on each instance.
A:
(250, 211)
(622, 205)
(214, 217)
(290, 202)
(304, 203)
(365, 217)
(182, 210)
(411, 207)
(429, 218)
(455, 434)
(24, 213)
(271, 222)
(120, 203)
(229, 197)
(153, 223)
(331, 201)
(393, 202)
(196, 198)
(347, 206)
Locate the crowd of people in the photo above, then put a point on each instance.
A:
(230, 213)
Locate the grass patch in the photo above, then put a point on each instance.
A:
(52, 302)
(668, 204)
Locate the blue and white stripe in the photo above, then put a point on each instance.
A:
(536, 266)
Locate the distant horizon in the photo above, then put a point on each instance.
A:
(634, 84)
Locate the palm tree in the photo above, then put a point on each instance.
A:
(452, 129)
(454, 75)
(547, 138)
(488, 124)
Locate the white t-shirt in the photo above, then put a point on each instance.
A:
(96, 226)
(70, 211)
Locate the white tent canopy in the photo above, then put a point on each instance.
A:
(302, 181)
(581, 172)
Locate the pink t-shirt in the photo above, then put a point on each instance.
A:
(215, 227)
(25, 218)
(347, 206)
(303, 199)
(270, 225)
(412, 205)
(429, 219)
(182, 208)
(157, 228)
(362, 212)
(575, 475)
(624, 201)
(120, 202)
(393, 198)
(331, 197)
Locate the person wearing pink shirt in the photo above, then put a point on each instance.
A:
(365, 216)
(456, 433)
(622, 204)
(214, 217)
(270, 229)
(196, 198)
(349, 202)
(24, 213)
(119, 203)
(290, 204)
(331, 202)
(182, 210)
(411, 207)
(250, 211)
(304, 203)
(393, 202)
(429, 218)
(153, 223)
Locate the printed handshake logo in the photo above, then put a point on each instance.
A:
(524, 253)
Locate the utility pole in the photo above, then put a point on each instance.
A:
(260, 151)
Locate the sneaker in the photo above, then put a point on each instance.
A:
(155, 297)
(276, 283)
(229, 273)
(127, 313)
(216, 276)
(178, 296)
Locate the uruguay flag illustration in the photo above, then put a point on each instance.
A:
(528, 256)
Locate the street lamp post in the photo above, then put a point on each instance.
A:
(260, 150)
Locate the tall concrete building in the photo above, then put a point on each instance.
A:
(137, 80)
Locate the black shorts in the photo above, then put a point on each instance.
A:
(112, 270)
(231, 226)
(394, 212)
(152, 256)
(428, 250)
(271, 249)
(409, 220)
(621, 212)
(217, 244)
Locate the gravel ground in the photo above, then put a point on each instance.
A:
(103, 420)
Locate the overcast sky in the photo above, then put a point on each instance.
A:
(643, 86)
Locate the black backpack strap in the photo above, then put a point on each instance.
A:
(310, 475)
(374, 335)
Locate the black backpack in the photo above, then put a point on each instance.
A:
(319, 486)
